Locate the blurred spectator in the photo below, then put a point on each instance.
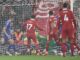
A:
(18, 35)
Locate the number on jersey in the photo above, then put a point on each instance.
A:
(66, 17)
(29, 26)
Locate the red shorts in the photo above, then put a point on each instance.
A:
(32, 36)
(67, 33)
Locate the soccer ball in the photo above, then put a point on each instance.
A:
(60, 54)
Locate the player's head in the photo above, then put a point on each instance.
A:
(50, 13)
(33, 17)
(65, 5)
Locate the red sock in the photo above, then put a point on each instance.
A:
(64, 48)
(76, 43)
(72, 49)
(47, 45)
(28, 43)
(37, 47)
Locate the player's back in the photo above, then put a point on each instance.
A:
(30, 26)
(67, 17)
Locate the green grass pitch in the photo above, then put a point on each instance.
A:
(50, 57)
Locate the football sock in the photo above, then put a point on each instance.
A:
(72, 49)
(64, 48)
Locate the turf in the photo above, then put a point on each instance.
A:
(39, 58)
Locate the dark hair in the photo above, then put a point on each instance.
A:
(33, 16)
(50, 12)
(65, 5)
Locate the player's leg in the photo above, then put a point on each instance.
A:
(28, 45)
(73, 43)
(63, 44)
(47, 43)
(36, 44)
(76, 43)
(71, 37)
(55, 36)
(28, 42)
(49, 37)
(28, 35)
(72, 47)
(11, 46)
(11, 42)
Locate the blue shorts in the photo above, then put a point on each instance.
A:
(60, 29)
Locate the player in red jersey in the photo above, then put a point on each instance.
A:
(30, 27)
(53, 31)
(68, 27)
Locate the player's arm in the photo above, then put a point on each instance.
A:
(74, 20)
(5, 27)
(4, 30)
(75, 23)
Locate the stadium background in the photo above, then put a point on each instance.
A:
(23, 10)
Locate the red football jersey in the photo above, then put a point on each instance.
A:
(52, 23)
(30, 26)
(67, 18)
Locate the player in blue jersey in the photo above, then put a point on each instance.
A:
(8, 34)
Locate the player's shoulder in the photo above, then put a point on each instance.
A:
(29, 21)
(67, 10)
(70, 11)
